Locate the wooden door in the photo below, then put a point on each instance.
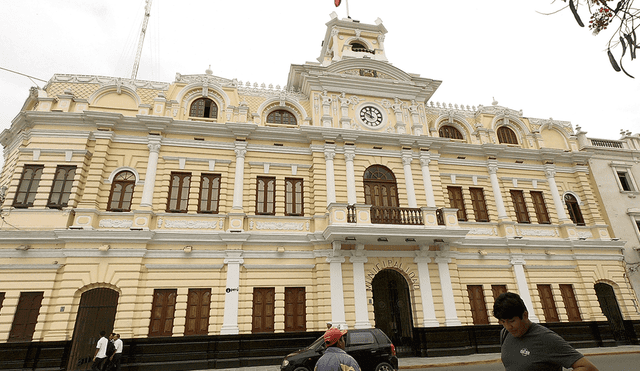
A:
(295, 311)
(478, 305)
(611, 309)
(162, 312)
(97, 312)
(198, 307)
(548, 304)
(263, 309)
(26, 317)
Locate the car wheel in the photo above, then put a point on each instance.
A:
(384, 366)
(301, 369)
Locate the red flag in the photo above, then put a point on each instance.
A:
(337, 2)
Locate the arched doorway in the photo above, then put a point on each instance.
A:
(97, 312)
(381, 192)
(611, 309)
(392, 308)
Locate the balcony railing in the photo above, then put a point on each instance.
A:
(396, 215)
(351, 213)
(606, 143)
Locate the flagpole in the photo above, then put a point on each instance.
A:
(347, 4)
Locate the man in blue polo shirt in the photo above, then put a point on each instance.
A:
(335, 358)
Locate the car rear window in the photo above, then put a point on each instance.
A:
(361, 338)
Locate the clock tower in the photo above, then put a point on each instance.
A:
(353, 85)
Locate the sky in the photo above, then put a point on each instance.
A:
(503, 50)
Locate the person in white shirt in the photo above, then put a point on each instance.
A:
(115, 358)
(101, 353)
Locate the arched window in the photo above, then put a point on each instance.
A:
(281, 117)
(506, 135)
(122, 191)
(204, 107)
(574, 209)
(448, 131)
(381, 192)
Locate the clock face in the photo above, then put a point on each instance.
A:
(371, 116)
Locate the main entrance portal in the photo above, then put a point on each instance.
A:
(392, 308)
(97, 312)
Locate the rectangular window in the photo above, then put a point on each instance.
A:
(26, 317)
(478, 305)
(479, 204)
(266, 194)
(548, 304)
(1, 299)
(625, 181)
(295, 310)
(61, 187)
(570, 302)
(28, 186)
(522, 215)
(540, 207)
(293, 197)
(162, 312)
(457, 202)
(209, 193)
(198, 304)
(496, 290)
(263, 309)
(179, 193)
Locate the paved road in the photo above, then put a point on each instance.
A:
(604, 362)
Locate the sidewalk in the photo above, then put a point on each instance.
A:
(428, 362)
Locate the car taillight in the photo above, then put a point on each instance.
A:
(393, 350)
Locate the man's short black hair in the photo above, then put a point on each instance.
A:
(102, 333)
(508, 305)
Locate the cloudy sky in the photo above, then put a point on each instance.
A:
(545, 65)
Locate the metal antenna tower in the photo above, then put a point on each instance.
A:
(143, 31)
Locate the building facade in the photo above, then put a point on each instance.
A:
(615, 170)
(209, 206)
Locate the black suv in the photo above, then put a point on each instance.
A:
(371, 348)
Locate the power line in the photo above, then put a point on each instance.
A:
(22, 74)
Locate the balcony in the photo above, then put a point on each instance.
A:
(390, 215)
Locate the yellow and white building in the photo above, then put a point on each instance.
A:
(211, 206)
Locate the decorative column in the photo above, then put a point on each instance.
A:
(407, 156)
(337, 293)
(428, 307)
(327, 119)
(329, 154)
(345, 120)
(397, 110)
(523, 287)
(230, 319)
(349, 155)
(360, 289)
(415, 118)
(238, 184)
(426, 179)
(152, 167)
(497, 194)
(448, 300)
(550, 173)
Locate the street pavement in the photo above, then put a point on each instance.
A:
(407, 363)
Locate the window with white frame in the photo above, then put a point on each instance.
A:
(624, 177)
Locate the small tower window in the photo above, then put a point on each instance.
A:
(281, 117)
(204, 107)
(448, 131)
(507, 136)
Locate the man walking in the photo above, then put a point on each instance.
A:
(115, 358)
(334, 357)
(528, 346)
(100, 356)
